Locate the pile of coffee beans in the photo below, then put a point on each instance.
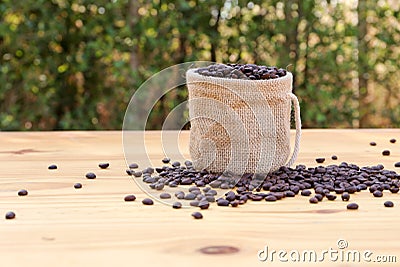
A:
(242, 71)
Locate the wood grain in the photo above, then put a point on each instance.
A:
(57, 225)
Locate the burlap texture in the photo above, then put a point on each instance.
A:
(241, 126)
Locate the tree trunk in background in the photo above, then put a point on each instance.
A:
(291, 45)
(364, 108)
(133, 18)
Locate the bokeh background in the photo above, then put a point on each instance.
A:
(75, 64)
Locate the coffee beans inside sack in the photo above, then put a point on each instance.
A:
(240, 118)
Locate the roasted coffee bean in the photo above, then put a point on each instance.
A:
(188, 163)
(394, 190)
(290, 194)
(10, 215)
(165, 195)
(271, 198)
(351, 189)
(197, 215)
(129, 172)
(222, 202)
(386, 153)
(313, 200)
(176, 164)
(52, 167)
(166, 160)
(377, 193)
(78, 186)
(190, 196)
(372, 143)
(133, 166)
(137, 174)
(352, 206)
(306, 192)
(234, 203)
(194, 203)
(397, 164)
(204, 204)
(230, 196)
(90, 175)
(330, 197)
(177, 205)
(388, 204)
(345, 196)
(104, 165)
(320, 160)
(319, 197)
(159, 186)
(339, 190)
(392, 140)
(147, 201)
(130, 198)
(334, 157)
(180, 195)
(22, 192)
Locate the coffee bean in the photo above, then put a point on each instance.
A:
(180, 195)
(133, 166)
(194, 203)
(147, 201)
(130, 198)
(165, 195)
(397, 164)
(22, 192)
(334, 157)
(271, 198)
(230, 196)
(204, 204)
(10, 215)
(177, 205)
(394, 190)
(330, 197)
(129, 172)
(392, 140)
(190, 196)
(159, 186)
(234, 203)
(197, 215)
(104, 165)
(176, 164)
(320, 160)
(188, 163)
(306, 192)
(319, 197)
(90, 175)
(372, 144)
(352, 206)
(166, 160)
(78, 186)
(377, 193)
(345, 197)
(52, 167)
(290, 194)
(386, 153)
(222, 202)
(313, 200)
(388, 204)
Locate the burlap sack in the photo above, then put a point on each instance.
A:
(241, 126)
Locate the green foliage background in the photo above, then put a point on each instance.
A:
(75, 64)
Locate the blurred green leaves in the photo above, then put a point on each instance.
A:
(75, 64)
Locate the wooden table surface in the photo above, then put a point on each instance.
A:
(57, 225)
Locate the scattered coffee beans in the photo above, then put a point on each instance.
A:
(377, 193)
(104, 165)
(372, 143)
(52, 167)
(320, 160)
(10, 215)
(313, 200)
(90, 175)
(78, 186)
(334, 157)
(165, 160)
(392, 140)
(197, 215)
(352, 206)
(397, 164)
(22, 192)
(386, 153)
(133, 166)
(388, 204)
(130, 198)
(147, 201)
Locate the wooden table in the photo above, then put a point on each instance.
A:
(57, 225)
